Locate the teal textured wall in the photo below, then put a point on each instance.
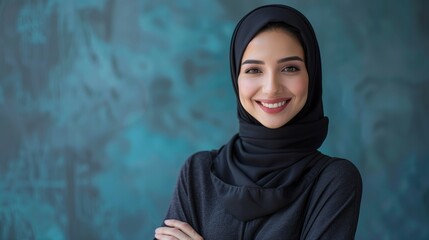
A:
(101, 102)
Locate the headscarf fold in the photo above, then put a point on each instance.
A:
(261, 170)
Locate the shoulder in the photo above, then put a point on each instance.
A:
(198, 162)
(339, 167)
(194, 175)
(334, 203)
(200, 158)
(342, 174)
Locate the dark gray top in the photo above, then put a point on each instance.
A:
(328, 209)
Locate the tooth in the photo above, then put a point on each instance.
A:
(273, 105)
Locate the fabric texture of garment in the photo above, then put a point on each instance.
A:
(327, 208)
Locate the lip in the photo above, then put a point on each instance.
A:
(273, 101)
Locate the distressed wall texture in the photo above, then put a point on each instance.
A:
(101, 101)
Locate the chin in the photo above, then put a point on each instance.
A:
(272, 125)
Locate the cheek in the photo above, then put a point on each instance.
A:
(246, 89)
(300, 88)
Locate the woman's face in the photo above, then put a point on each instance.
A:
(273, 79)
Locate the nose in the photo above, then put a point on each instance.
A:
(271, 84)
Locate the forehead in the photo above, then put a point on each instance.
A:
(274, 42)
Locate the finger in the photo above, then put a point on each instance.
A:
(172, 232)
(184, 227)
(164, 237)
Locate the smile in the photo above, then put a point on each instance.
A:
(273, 106)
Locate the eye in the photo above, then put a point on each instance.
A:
(290, 69)
(252, 71)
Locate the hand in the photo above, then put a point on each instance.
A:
(176, 230)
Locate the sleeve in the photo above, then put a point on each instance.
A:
(333, 208)
(180, 208)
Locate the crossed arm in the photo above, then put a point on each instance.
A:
(176, 230)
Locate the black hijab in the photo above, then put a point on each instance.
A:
(262, 170)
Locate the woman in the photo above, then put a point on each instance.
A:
(269, 181)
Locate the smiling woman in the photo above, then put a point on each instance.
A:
(269, 181)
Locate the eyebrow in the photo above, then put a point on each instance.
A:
(286, 59)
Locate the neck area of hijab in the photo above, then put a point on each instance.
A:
(258, 159)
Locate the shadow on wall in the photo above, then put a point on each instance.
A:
(89, 113)
(15, 226)
(395, 136)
